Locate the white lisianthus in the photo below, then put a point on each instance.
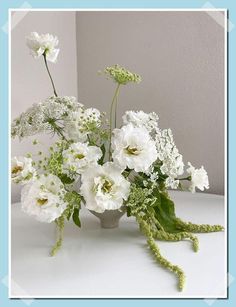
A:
(78, 157)
(142, 119)
(133, 148)
(44, 43)
(43, 198)
(104, 187)
(82, 122)
(199, 178)
(22, 170)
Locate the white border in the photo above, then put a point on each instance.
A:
(225, 144)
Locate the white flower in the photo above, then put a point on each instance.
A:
(22, 170)
(104, 187)
(199, 178)
(168, 154)
(133, 148)
(82, 122)
(171, 183)
(43, 198)
(44, 43)
(142, 119)
(80, 156)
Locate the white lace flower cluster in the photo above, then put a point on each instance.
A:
(80, 123)
(40, 117)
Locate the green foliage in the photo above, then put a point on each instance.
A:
(76, 218)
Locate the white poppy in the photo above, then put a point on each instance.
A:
(199, 178)
(133, 148)
(44, 43)
(104, 187)
(80, 156)
(142, 119)
(43, 198)
(22, 170)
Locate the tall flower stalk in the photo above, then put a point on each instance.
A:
(121, 76)
(50, 76)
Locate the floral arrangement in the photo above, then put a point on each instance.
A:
(95, 164)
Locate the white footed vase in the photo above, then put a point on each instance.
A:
(109, 218)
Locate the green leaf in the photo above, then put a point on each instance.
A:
(103, 149)
(165, 212)
(76, 218)
(65, 179)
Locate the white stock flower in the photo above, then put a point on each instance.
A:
(78, 157)
(80, 123)
(133, 148)
(104, 187)
(44, 43)
(43, 198)
(142, 119)
(22, 170)
(171, 160)
(199, 178)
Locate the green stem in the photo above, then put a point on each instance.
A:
(53, 85)
(114, 102)
(186, 178)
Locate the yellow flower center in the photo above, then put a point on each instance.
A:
(107, 186)
(79, 156)
(42, 201)
(132, 150)
(16, 169)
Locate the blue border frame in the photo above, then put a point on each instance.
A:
(4, 6)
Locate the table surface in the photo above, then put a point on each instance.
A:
(96, 262)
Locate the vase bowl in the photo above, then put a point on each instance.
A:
(110, 218)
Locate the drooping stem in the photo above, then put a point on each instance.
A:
(190, 227)
(60, 224)
(166, 236)
(145, 227)
(53, 85)
(113, 103)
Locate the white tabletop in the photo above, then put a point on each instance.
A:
(96, 262)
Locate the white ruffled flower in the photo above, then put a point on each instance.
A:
(133, 148)
(142, 119)
(44, 43)
(199, 178)
(78, 157)
(43, 198)
(82, 122)
(22, 170)
(104, 187)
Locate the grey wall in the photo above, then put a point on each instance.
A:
(180, 56)
(29, 80)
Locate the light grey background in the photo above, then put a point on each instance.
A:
(180, 56)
